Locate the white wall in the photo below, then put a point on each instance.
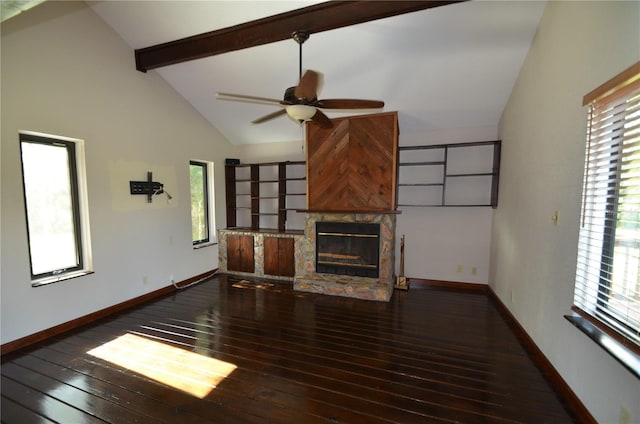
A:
(64, 72)
(438, 241)
(579, 45)
(273, 152)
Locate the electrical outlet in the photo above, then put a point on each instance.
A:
(144, 280)
(459, 268)
(625, 416)
(474, 270)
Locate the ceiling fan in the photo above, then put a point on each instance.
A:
(301, 102)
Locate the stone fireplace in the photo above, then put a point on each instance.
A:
(328, 281)
(348, 247)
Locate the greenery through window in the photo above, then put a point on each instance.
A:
(198, 176)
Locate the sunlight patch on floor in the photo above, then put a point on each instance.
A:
(189, 372)
(244, 284)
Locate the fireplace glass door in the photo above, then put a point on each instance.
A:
(347, 248)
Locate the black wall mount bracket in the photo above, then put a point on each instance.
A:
(148, 188)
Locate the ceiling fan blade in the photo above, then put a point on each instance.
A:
(248, 99)
(321, 119)
(349, 104)
(308, 86)
(269, 116)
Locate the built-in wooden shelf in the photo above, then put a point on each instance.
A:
(266, 230)
(266, 182)
(438, 176)
(368, 211)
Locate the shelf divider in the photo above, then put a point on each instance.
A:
(258, 192)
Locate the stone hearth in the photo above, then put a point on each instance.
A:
(381, 288)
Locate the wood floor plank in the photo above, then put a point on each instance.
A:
(404, 384)
(209, 410)
(42, 404)
(298, 383)
(433, 395)
(429, 355)
(137, 402)
(92, 405)
(222, 394)
(14, 412)
(377, 365)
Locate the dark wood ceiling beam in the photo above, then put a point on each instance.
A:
(316, 18)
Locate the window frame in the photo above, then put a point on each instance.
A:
(79, 206)
(610, 159)
(207, 168)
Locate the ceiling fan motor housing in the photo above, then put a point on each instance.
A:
(291, 99)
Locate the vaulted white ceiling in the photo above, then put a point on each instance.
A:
(443, 68)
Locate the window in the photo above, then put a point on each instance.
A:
(607, 290)
(56, 208)
(200, 177)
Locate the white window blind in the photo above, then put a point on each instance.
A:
(607, 287)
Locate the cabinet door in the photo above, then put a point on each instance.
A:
(279, 256)
(233, 253)
(246, 258)
(240, 253)
(286, 261)
(271, 255)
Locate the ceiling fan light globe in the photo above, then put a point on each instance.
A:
(301, 113)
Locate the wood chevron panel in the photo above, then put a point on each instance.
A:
(327, 164)
(352, 166)
(371, 159)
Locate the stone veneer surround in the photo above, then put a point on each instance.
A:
(380, 288)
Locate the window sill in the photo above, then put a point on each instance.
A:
(203, 245)
(620, 353)
(57, 278)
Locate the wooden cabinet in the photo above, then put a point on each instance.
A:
(279, 256)
(240, 253)
(259, 253)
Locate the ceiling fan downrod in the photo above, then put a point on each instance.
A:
(300, 37)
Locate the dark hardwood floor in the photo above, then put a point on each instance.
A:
(431, 355)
